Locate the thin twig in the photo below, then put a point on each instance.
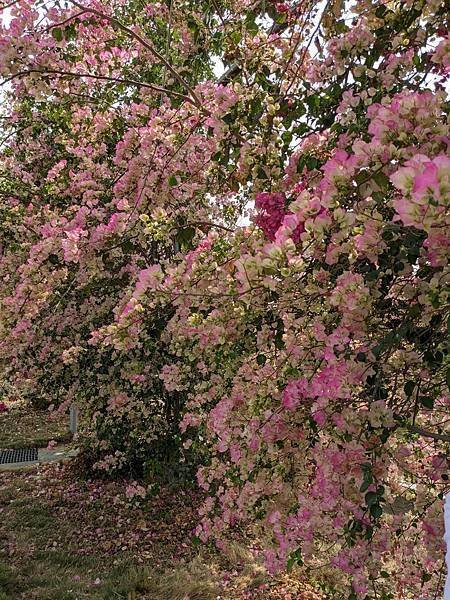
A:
(306, 48)
(429, 434)
(6, 6)
(55, 25)
(150, 86)
(146, 44)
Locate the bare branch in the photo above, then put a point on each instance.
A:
(429, 434)
(146, 44)
(71, 18)
(235, 69)
(204, 224)
(306, 48)
(5, 6)
(150, 86)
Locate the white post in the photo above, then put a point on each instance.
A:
(73, 419)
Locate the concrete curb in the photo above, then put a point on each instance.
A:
(45, 456)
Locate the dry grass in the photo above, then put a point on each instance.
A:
(252, 574)
(197, 580)
(22, 425)
(62, 539)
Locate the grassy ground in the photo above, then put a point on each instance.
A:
(21, 426)
(63, 537)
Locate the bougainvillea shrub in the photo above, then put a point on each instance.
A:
(302, 353)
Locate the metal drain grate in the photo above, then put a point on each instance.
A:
(18, 455)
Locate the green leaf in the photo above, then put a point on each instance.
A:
(70, 32)
(371, 498)
(367, 477)
(312, 163)
(409, 388)
(301, 128)
(229, 118)
(361, 177)
(301, 164)
(57, 34)
(127, 246)
(186, 235)
(279, 344)
(172, 180)
(433, 358)
(251, 24)
(280, 18)
(287, 137)
(414, 311)
(53, 259)
(365, 484)
(381, 11)
(236, 36)
(381, 179)
(381, 393)
(261, 359)
(385, 435)
(294, 559)
(369, 532)
(427, 401)
(341, 27)
(313, 102)
(378, 196)
(376, 511)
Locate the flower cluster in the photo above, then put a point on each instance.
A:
(271, 210)
(296, 351)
